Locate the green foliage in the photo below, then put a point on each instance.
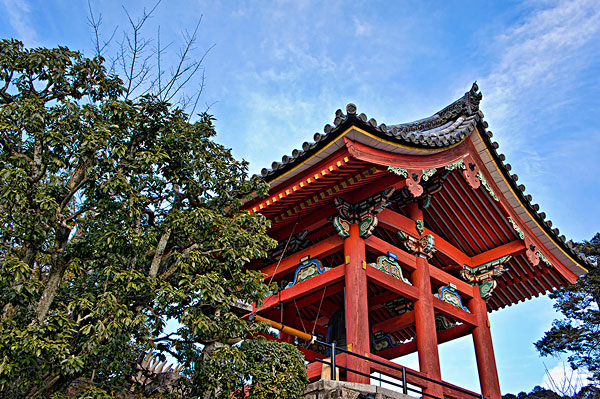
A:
(588, 392)
(578, 334)
(117, 215)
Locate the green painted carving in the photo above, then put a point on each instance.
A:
(398, 171)
(483, 275)
(487, 186)
(307, 269)
(423, 245)
(460, 164)
(517, 228)
(448, 293)
(390, 266)
(362, 213)
(544, 259)
(366, 226)
(342, 227)
(384, 341)
(486, 288)
(427, 173)
(420, 226)
(487, 270)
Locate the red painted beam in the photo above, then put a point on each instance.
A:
(315, 297)
(394, 221)
(454, 312)
(443, 278)
(383, 247)
(309, 222)
(389, 180)
(392, 283)
(297, 323)
(411, 346)
(315, 369)
(395, 323)
(296, 291)
(384, 158)
(320, 249)
(377, 301)
(513, 248)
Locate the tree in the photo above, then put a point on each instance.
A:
(116, 215)
(579, 333)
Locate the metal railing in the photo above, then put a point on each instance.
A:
(404, 372)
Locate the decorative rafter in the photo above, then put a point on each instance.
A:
(448, 293)
(308, 268)
(469, 168)
(363, 213)
(423, 245)
(483, 275)
(532, 253)
(388, 264)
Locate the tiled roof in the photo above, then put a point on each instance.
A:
(447, 127)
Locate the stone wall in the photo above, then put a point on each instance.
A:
(328, 389)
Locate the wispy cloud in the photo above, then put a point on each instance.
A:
(540, 61)
(18, 15)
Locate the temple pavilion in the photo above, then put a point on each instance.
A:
(396, 238)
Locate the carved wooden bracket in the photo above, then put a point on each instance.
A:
(423, 245)
(483, 275)
(471, 171)
(363, 213)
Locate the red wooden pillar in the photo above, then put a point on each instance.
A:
(429, 358)
(357, 307)
(484, 351)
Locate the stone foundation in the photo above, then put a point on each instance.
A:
(328, 389)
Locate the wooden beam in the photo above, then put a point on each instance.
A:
(377, 301)
(298, 323)
(512, 248)
(310, 222)
(394, 324)
(306, 287)
(394, 221)
(454, 312)
(320, 249)
(389, 180)
(392, 283)
(383, 247)
(443, 278)
(315, 369)
(315, 297)
(369, 154)
(411, 346)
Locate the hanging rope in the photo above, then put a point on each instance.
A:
(318, 312)
(284, 250)
(300, 316)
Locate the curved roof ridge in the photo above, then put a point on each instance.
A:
(446, 127)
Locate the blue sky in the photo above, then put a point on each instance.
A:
(280, 69)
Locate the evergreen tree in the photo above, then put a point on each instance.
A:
(116, 215)
(578, 334)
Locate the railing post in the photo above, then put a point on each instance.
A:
(333, 373)
(404, 383)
